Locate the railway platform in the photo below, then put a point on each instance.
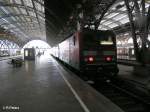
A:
(10, 57)
(128, 62)
(45, 86)
(140, 80)
(133, 70)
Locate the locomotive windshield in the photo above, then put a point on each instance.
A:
(98, 38)
(106, 41)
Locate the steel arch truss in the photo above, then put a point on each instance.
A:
(8, 48)
(93, 11)
(6, 44)
(116, 17)
(23, 18)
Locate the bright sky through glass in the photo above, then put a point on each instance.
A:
(40, 46)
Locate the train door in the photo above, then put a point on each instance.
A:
(29, 53)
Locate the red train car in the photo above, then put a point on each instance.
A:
(89, 51)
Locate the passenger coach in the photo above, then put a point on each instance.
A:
(89, 51)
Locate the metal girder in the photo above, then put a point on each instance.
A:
(97, 23)
(129, 10)
(25, 9)
(36, 14)
(13, 38)
(23, 29)
(8, 43)
(25, 16)
(14, 15)
(15, 22)
(38, 2)
(122, 29)
(148, 17)
(29, 28)
(22, 6)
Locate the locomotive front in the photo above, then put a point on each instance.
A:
(98, 52)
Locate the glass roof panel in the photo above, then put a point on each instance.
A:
(112, 15)
(124, 20)
(37, 5)
(13, 18)
(2, 21)
(123, 9)
(42, 9)
(23, 11)
(28, 3)
(41, 18)
(120, 16)
(5, 20)
(18, 1)
(41, 1)
(8, 1)
(103, 21)
(113, 25)
(107, 22)
(22, 18)
(1, 13)
(4, 10)
(116, 4)
(28, 19)
(8, 19)
(16, 10)
(102, 28)
(32, 13)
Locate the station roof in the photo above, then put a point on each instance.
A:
(22, 20)
(117, 16)
(27, 20)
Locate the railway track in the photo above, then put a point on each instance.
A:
(125, 99)
(120, 95)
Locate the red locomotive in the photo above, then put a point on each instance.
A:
(89, 51)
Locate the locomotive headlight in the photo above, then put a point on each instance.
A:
(108, 58)
(91, 59)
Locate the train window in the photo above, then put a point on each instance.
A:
(107, 41)
(132, 51)
(26, 53)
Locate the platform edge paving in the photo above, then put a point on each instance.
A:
(95, 102)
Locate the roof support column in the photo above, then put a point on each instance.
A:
(133, 31)
(139, 25)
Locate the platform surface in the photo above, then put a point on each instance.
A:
(127, 72)
(10, 57)
(44, 86)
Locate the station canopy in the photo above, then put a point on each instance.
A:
(117, 16)
(24, 19)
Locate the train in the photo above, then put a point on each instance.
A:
(126, 53)
(4, 53)
(89, 51)
(29, 53)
